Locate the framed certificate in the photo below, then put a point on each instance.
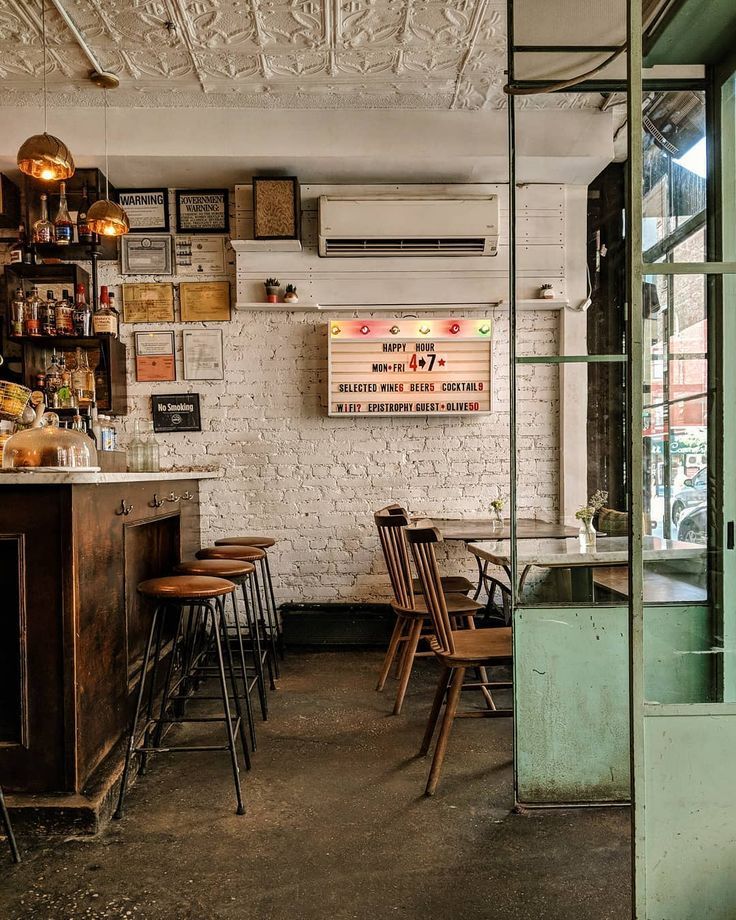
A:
(203, 301)
(154, 356)
(200, 255)
(148, 303)
(147, 209)
(202, 210)
(145, 255)
(203, 354)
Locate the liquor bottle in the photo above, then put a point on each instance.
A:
(43, 229)
(17, 312)
(53, 382)
(48, 314)
(66, 394)
(17, 252)
(82, 314)
(64, 315)
(105, 321)
(95, 427)
(84, 233)
(31, 314)
(63, 226)
(83, 381)
(102, 389)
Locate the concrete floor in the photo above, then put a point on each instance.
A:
(336, 826)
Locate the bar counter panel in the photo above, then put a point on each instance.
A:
(71, 556)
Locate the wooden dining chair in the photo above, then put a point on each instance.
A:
(456, 651)
(409, 607)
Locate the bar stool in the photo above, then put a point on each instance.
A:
(264, 543)
(203, 597)
(240, 574)
(256, 556)
(8, 828)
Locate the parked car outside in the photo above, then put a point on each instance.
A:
(693, 492)
(694, 525)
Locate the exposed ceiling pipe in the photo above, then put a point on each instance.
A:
(98, 75)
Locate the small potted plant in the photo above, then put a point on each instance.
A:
(291, 296)
(272, 290)
(497, 508)
(546, 292)
(585, 515)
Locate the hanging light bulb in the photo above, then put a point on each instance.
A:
(44, 156)
(106, 217)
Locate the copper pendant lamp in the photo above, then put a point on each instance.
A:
(106, 217)
(44, 156)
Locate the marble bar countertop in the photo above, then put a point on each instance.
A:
(71, 477)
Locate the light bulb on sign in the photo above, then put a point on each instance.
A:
(455, 328)
(424, 329)
(365, 329)
(484, 329)
(394, 330)
(335, 330)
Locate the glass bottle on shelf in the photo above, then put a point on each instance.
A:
(84, 233)
(66, 393)
(53, 382)
(32, 313)
(17, 252)
(152, 452)
(105, 321)
(95, 426)
(82, 314)
(102, 388)
(64, 315)
(17, 312)
(136, 451)
(43, 229)
(63, 226)
(83, 381)
(48, 314)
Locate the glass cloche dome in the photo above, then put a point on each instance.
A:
(50, 448)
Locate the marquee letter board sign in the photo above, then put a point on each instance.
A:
(409, 366)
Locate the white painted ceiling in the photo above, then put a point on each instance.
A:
(426, 54)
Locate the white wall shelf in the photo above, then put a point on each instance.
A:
(299, 306)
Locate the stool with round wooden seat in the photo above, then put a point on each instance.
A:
(199, 596)
(256, 556)
(264, 543)
(240, 573)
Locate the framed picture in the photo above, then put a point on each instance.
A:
(203, 210)
(203, 354)
(146, 255)
(148, 303)
(154, 356)
(204, 301)
(147, 209)
(276, 208)
(200, 255)
(177, 412)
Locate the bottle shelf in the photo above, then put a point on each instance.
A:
(47, 340)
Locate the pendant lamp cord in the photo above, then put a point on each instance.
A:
(43, 33)
(107, 171)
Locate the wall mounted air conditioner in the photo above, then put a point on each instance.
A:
(408, 226)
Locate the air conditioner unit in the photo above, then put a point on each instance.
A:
(408, 226)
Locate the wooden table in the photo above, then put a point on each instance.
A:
(566, 554)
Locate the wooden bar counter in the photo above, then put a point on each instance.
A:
(73, 547)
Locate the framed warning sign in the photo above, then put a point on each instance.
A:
(409, 366)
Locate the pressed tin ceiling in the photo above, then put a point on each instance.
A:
(432, 54)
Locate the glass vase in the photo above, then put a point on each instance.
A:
(587, 537)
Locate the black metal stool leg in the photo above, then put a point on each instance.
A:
(139, 701)
(269, 636)
(8, 828)
(244, 672)
(269, 617)
(167, 682)
(226, 704)
(257, 652)
(274, 608)
(152, 687)
(220, 604)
